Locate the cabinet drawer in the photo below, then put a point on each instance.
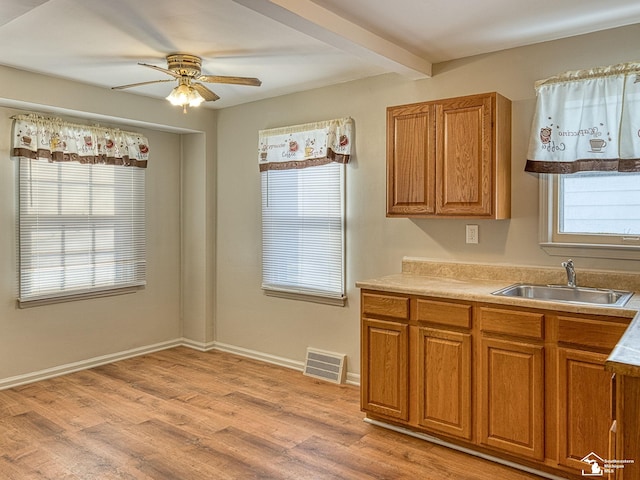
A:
(385, 305)
(512, 322)
(444, 313)
(590, 332)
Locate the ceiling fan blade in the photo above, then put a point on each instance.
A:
(207, 94)
(160, 69)
(253, 82)
(141, 83)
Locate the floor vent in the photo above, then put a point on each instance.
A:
(325, 365)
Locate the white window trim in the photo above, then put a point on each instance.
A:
(290, 295)
(110, 292)
(547, 216)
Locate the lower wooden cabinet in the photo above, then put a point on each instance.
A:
(586, 400)
(512, 397)
(585, 406)
(444, 381)
(627, 435)
(384, 380)
(517, 382)
(511, 383)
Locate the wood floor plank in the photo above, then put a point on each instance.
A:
(341, 461)
(181, 414)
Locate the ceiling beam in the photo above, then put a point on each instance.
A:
(12, 9)
(328, 27)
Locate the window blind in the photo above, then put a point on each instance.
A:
(303, 230)
(81, 228)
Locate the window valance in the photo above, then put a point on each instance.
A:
(306, 145)
(53, 139)
(587, 120)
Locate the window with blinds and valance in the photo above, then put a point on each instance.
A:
(302, 177)
(81, 217)
(585, 140)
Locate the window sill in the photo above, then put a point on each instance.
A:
(306, 297)
(39, 301)
(617, 252)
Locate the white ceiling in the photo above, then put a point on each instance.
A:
(291, 45)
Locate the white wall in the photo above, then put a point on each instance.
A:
(51, 338)
(375, 245)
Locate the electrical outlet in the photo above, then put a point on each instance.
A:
(472, 233)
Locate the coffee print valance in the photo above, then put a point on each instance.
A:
(307, 145)
(587, 120)
(55, 140)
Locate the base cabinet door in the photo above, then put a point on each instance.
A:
(385, 377)
(585, 407)
(444, 381)
(512, 397)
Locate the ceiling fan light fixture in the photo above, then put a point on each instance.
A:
(195, 99)
(185, 95)
(179, 95)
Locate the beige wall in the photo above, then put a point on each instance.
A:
(375, 245)
(48, 339)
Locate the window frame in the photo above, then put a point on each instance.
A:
(293, 293)
(560, 244)
(61, 222)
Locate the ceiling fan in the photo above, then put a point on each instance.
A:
(187, 70)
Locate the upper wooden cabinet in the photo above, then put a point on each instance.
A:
(450, 158)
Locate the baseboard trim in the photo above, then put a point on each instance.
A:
(18, 380)
(47, 373)
(255, 355)
(352, 378)
(200, 346)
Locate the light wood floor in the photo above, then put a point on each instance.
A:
(181, 414)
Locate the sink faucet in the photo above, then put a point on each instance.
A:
(571, 273)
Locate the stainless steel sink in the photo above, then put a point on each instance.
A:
(561, 293)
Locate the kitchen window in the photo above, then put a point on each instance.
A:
(81, 218)
(594, 213)
(303, 205)
(585, 144)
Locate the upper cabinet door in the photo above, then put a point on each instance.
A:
(463, 136)
(411, 160)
